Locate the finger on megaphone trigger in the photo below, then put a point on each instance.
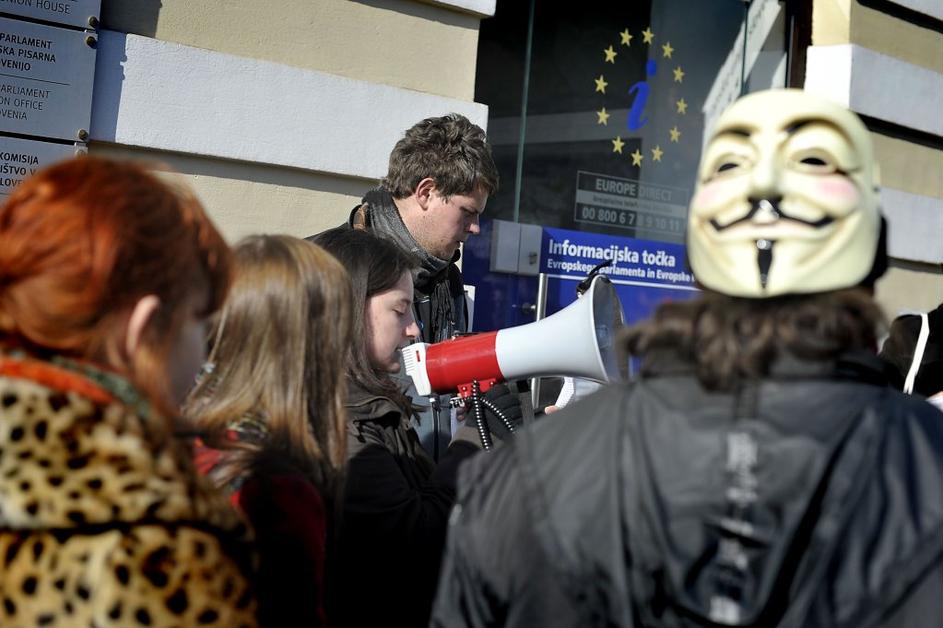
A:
(507, 402)
(495, 426)
(499, 414)
(502, 397)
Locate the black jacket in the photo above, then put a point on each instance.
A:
(813, 498)
(395, 515)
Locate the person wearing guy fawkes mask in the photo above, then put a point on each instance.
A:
(760, 472)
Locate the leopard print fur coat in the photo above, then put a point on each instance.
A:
(103, 521)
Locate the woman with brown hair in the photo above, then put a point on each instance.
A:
(396, 499)
(272, 417)
(106, 276)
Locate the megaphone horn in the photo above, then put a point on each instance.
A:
(577, 341)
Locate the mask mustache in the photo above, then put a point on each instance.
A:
(771, 205)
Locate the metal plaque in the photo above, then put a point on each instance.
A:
(46, 77)
(82, 13)
(21, 158)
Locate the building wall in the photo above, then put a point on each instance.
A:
(278, 115)
(885, 61)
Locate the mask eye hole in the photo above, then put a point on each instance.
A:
(726, 166)
(815, 163)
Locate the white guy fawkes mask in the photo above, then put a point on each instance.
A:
(786, 199)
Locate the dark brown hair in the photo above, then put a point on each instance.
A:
(732, 339)
(450, 150)
(81, 242)
(375, 265)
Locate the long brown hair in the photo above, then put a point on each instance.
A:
(82, 241)
(278, 358)
(732, 339)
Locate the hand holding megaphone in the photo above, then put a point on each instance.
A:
(577, 341)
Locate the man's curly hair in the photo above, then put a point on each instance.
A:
(450, 150)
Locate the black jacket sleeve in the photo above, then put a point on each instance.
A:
(495, 571)
(396, 509)
(406, 498)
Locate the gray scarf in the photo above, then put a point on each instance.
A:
(431, 278)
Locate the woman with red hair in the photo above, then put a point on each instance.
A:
(106, 277)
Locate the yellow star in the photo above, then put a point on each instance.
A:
(666, 50)
(675, 134)
(603, 117)
(601, 84)
(626, 38)
(682, 106)
(617, 145)
(648, 35)
(657, 152)
(610, 55)
(679, 74)
(637, 158)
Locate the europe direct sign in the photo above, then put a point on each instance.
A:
(634, 262)
(647, 209)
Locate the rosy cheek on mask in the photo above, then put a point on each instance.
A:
(705, 197)
(713, 194)
(837, 190)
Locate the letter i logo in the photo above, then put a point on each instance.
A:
(640, 89)
(648, 95)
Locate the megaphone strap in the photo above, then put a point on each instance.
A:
(918, 353)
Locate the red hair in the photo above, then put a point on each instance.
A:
(82, 241)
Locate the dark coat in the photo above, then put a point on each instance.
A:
(811, 498)
(395, 514)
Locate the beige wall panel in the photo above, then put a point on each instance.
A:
(909, 167)
(394, 42)
(247, 198)
(896, 38)
(910, 288)
(831, 22)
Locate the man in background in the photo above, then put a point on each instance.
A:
(440, 176)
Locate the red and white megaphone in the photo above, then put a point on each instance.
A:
(577, 341)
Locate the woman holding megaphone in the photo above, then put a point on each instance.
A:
(396, 499)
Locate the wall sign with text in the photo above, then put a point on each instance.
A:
(46, 76)
(80, 13)
(21, 158)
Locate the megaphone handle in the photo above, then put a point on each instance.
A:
(480, 423)
(499, 414)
